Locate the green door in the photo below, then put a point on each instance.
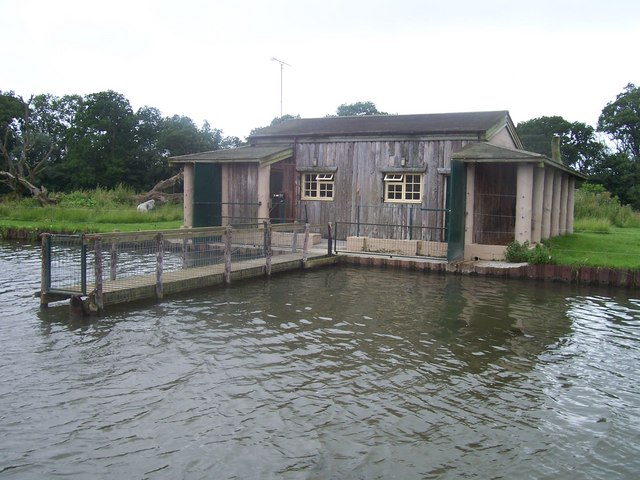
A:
(457, 201)
(207, 195)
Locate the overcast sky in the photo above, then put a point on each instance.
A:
(212, 59)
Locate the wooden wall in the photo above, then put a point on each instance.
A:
(359, 181)
(240, 191)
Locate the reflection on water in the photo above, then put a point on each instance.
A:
(334, 373)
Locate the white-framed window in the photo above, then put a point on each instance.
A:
(403, 187)
(317, 186)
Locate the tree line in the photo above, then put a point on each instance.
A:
(75, 142)
(81, 142)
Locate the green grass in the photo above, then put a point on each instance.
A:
(618, 249)
(91, 211)
(591, 224)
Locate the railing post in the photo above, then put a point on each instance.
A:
(358, 221)
(329, 240)
(45, 273)
(97, 246)
(185, 253)
(267, 247)
(159, 265)
(305, 245)
(294, 242)
(411, 222)
(83, 265)
(113, 258)
(227, 255)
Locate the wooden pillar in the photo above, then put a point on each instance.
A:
(564, 200)
(159, 265)
(538, 203)
(264, 195)
(469, 204)
(227, 255)
(188, 181)
(547, 203)
(524, 202)
(571, 203)
(555, 208)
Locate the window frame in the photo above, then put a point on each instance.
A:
(398, 190)
(317, 186)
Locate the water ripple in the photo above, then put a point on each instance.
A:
(337, 373)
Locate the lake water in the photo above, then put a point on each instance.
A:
(337, 373)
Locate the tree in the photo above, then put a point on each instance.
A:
(579, 147)
(52, 117)
(358, 109)
(620, 119)
(102, 142)
(274, 122)
(25, 151)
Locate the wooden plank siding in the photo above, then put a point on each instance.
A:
(240, 182)
(359, 180)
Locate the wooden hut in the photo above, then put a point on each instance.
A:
(381, 171)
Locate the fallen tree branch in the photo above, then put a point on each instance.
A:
(157, 193)
(41, 194)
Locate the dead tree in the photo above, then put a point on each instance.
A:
(158, 194)
(19, 171)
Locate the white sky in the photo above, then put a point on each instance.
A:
(212, 59)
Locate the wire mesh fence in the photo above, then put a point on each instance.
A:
(86, 264)
(64, 264)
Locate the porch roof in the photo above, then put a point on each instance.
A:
(264, 155)
(483, 152)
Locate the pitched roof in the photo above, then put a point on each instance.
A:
(475, 123)
(251, 154)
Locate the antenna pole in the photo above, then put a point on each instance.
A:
(282, 64)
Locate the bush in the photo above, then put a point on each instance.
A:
(517, 252)
(593, 201)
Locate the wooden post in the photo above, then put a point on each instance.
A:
(267, 247)
(114, 260)
(305, 246)
(294, 243)
(185, 253)
(45, 272)
(97, 248)
(329, 240)
(227, 255)
(159, 265)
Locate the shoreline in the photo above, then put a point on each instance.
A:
(584, 275)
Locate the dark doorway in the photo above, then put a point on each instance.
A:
(282, 190)
(207, 195)
(456, 204)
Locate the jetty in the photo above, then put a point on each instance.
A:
(112, 268)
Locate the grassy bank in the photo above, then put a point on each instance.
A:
(85, 212)
(619, 248)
